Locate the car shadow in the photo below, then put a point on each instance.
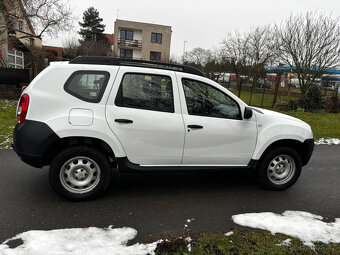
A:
(184, 181)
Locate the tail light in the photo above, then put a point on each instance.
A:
(23, 108)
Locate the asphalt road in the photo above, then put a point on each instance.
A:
(158, 204)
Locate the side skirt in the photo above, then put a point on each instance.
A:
(126, 166)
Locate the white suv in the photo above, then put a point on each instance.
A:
(93, 117)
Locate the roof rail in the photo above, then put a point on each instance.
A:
(94, 60)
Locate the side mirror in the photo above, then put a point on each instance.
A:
(248, 113)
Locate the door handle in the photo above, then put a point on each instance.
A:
(195, 126)
(123, 121)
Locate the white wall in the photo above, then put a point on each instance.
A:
(137, 54)
(137, 35)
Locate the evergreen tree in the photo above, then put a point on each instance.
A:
(92, 28)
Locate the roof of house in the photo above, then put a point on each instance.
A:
(22, 8)
(110, 37)
(57, 49)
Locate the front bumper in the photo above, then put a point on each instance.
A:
(30, 141)
(308, 147)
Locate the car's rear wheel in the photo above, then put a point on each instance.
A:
(279, 168)
(80, 173)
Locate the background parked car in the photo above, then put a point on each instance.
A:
(261, 83)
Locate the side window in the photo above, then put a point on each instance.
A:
(87, 85)
(205, 100)
(146, 91)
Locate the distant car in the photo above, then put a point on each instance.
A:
(264, 83)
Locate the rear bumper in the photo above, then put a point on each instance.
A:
(308, 147)
(30, 141)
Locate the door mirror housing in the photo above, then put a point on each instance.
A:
(248, 113)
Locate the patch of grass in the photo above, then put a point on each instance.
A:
(7, 122)
(267, 99)
(244, 242)
(324, 125)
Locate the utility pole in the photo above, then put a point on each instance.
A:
(184, 51)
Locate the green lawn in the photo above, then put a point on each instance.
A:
(324, 125)
(267, 99)
(7, 122)
(243, 242)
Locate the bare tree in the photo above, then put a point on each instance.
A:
(309, 43)
(198, 56)
(47, 16)
(71, 48)
(235, 47)
(262, 51)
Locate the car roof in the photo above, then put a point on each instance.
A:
(98, 60)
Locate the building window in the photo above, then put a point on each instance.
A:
(126, 53)
(126, 34)
(15, 59)
(156, 38)
(154, 55)
(21, 25)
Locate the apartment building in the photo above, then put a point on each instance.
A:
(144, 41)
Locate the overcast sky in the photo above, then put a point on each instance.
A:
(202, 23)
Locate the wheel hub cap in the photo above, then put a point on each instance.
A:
(80, 175)
(281, 169)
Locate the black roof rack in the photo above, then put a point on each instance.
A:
(94, 60)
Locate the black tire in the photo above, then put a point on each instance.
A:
(263, 168)
(83, 154)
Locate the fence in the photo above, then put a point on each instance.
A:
(273, 96)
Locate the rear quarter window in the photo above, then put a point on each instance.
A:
(88, 86)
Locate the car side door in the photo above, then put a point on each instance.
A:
(144, 112)
(216, 133)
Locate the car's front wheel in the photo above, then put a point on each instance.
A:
(80, 173)
(279, 168)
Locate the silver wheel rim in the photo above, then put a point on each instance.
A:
(281, 169)
(80, 175)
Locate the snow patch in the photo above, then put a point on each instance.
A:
(189, 247)
(229, 233)
(285, 242)
(309, 228)
(79, 241)
(329, 141)
(188, 239)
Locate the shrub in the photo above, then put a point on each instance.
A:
(311, 101)
(332, 104)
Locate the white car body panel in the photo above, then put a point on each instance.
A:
(274, 126)
(221, 141)
(48, 86)
(154, 137)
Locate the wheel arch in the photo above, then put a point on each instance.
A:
(304, 149)
(62, 143)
